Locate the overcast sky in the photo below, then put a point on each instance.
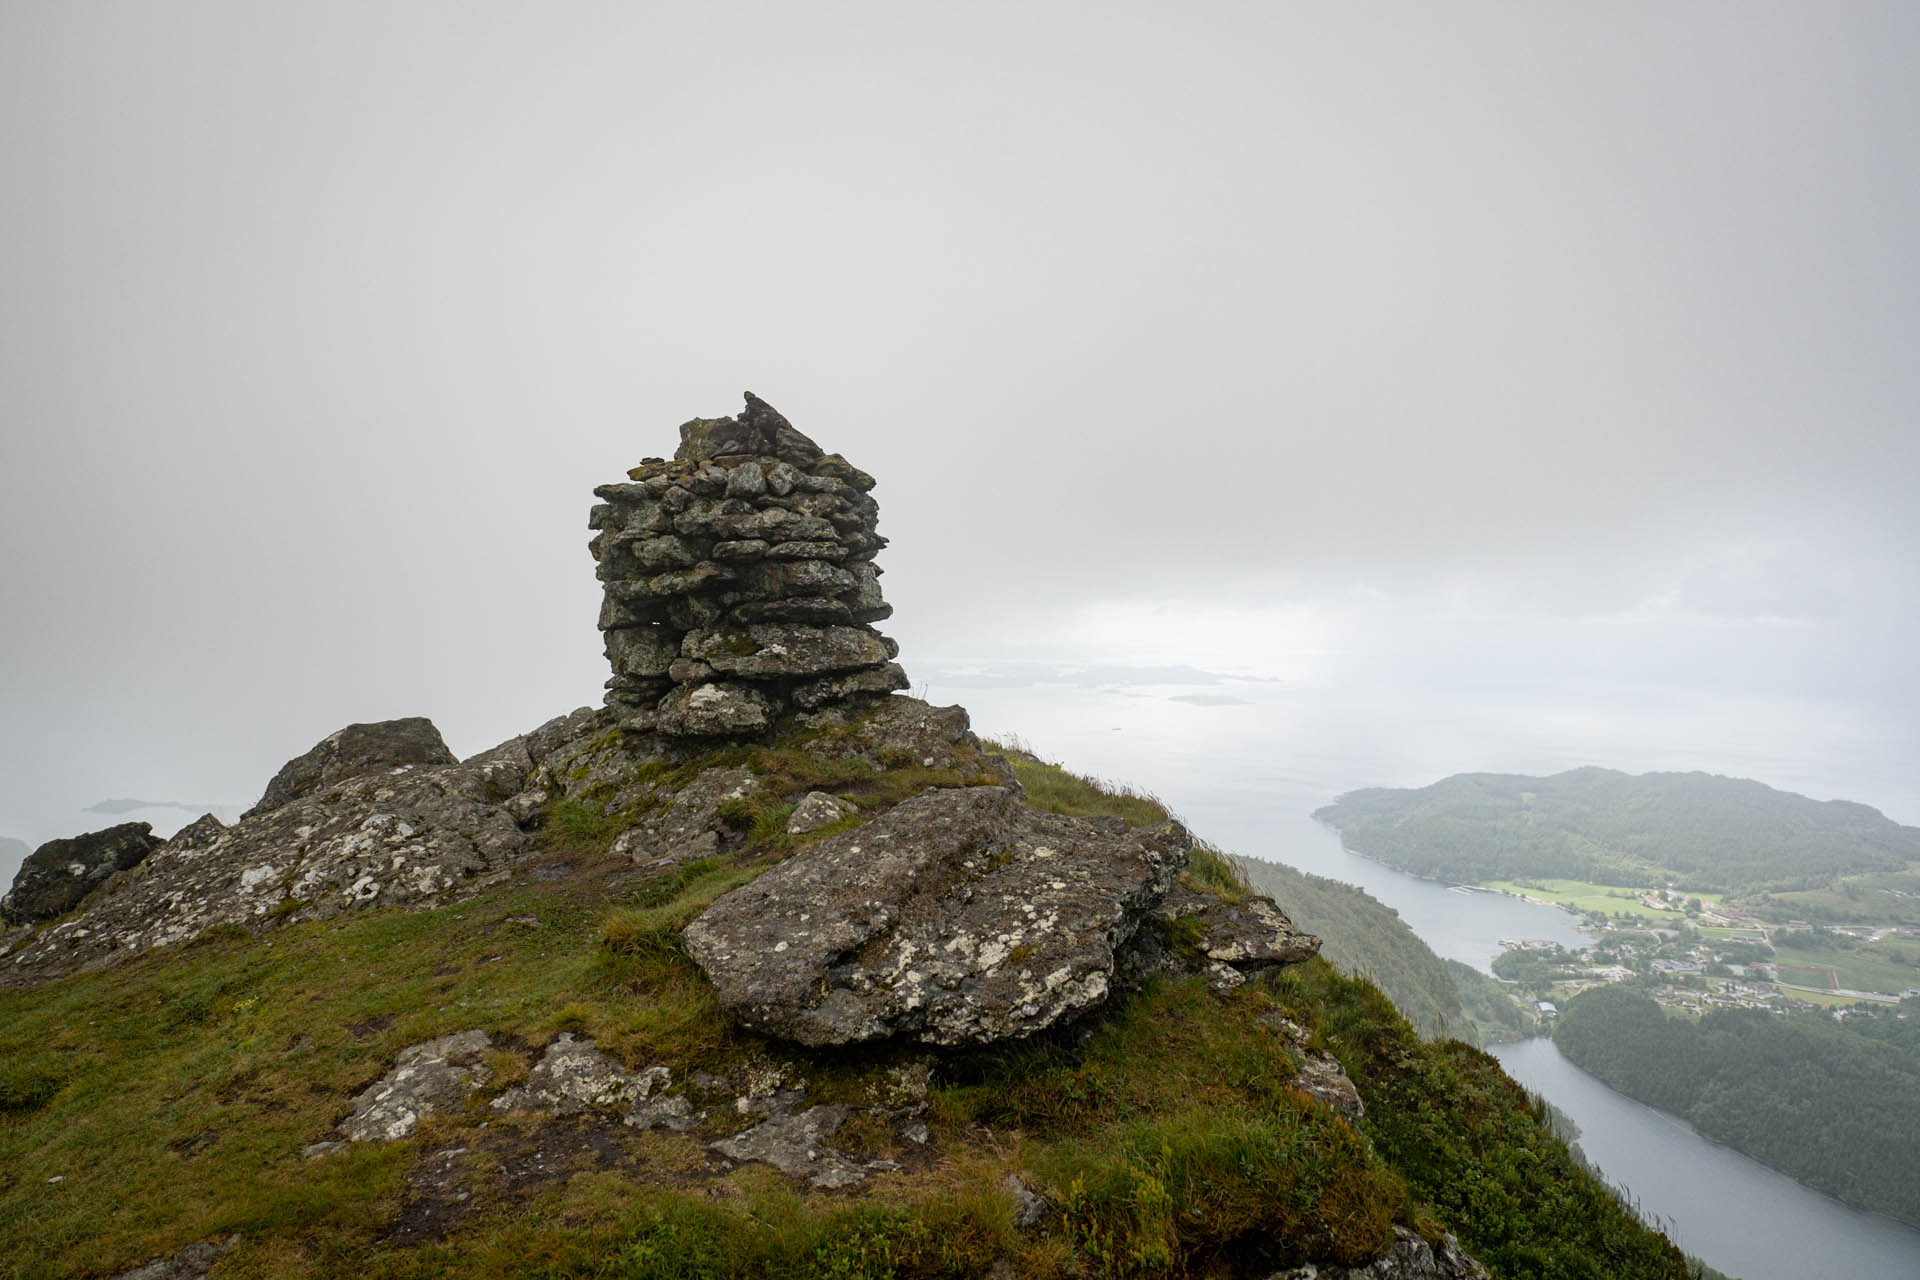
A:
(1450, 345)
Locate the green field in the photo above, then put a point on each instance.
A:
(1825, 999)
(1584, 896)
(1873, 898)
(1870, 967)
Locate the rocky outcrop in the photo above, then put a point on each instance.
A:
(1410, 1258)
(739, 581)
(324, 841)
(574, 1076)
(190, 1263)
(958, 917)
(54, 879)
(352, 751)
(1320, 1075)
(1249, 933)
(428, 1077)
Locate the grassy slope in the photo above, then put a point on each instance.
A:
(1362, 936)
(171, 1097)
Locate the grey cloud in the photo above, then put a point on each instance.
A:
(321, 321)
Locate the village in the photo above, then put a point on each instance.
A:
(1693, 954)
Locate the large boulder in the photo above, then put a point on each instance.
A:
(352, 751)
(958, 917)
(53, 880)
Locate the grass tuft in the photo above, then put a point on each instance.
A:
(577, 826)
(1057, 790)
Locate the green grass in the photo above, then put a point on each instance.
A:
(1870, 967)
(1053, 788)
(171, 1096)
(1859, 898)
(1586, 897)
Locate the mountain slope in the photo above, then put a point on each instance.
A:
(193, 1098)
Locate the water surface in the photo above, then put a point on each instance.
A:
(1742, 1217)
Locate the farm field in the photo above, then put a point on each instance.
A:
(1826, 999)
(1584, 896)
(1880, 897)
(1870, 967)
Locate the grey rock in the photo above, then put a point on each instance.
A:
(1409, 1258)
(1320, 1075)
(795, 1144)
(772, 650)
(190, 1263)
(407, 835)
(1223, 978)
(957, 917)
(754, 526)
(723, 709)
(741, 549)
(1029, 1209)
(746, 481)
(760, 430)
(574, 1076)
(642, 651)
(54, 879)
(817, 809)
(689, 826)
(830, 689)
(428, 1077)
(689, 671)
(321, 1150)
(202, 833)
(660, 553)
(1253, 933)
(896, 730)
(824, 610)
(779, 579)
(350, 752)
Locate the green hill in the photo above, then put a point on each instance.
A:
(1363, 937)
(1835, 1105)
(1707, 833)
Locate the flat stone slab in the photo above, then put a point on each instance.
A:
(427, 1077)
(959, 916)
(574, 1076)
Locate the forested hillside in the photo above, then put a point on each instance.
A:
(1710, 833)
(1364, 937)
(1834, 1104)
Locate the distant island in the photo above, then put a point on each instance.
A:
(1698, 833)
(122, 804)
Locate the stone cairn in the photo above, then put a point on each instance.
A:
(739, 581)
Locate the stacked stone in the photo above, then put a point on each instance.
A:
(739, 581)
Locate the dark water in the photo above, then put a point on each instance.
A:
(1739, 1215)
(1247, 775)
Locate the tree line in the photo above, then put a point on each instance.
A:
(1833, 1104)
